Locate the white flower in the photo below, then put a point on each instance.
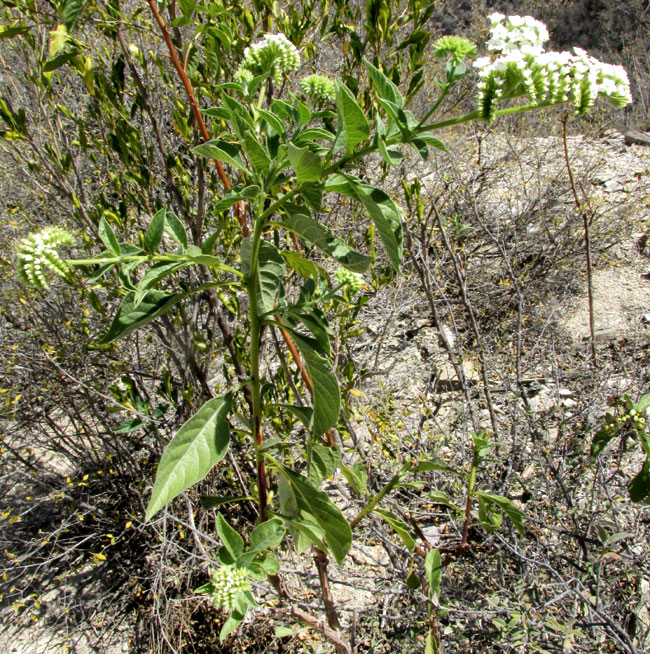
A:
(227, 582)
(39, 251)
(274, 55)
(520, 66)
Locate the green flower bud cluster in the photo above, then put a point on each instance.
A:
(631, 420)
(318, 87)
(39, 251)
(456, 46)
(227, 582)
(273, 56)
(352, 280)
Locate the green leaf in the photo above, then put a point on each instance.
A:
(230, 539)
(306, 164)
(222, 151)
(153, 276)
(507, 506)
(273, 121)
(639, 487)
(267, 536)
(108, 237)
(430, 139)
(320, 508)
(324, 463)
(357, 476)
(602, 438)
(327, 398)
(400, 527)
(271, 271)
(318, 235)
(233, 621)
(154, 234)
(210, 501)
(381, 209)
(303, 413)
(197, 446)
(9, 31)
(71, 12)
(386, 89)
(391, 157)
(643, 404)
(353, 127)
(257, 154)
(433, 569)
(175, 228)
(303, 266)
(130, 315)
(440, 497)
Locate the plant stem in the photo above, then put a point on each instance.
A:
(368, 508)
(585, 225)
(252, 284)
(470, 497)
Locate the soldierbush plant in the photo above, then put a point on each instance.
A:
(285, 149)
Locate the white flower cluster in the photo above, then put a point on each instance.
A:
(39, 251)
(520, 66)
(274, 55)
(227, 583)
(352, 280)
(318, 87)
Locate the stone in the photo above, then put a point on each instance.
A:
(637, 138)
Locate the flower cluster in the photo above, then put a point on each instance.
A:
(227, 582)
(318, 87)
(354, 281)
(458, 47)
(519, 65)
(39, 251)
(274, 55)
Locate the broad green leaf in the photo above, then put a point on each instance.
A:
(271, 271)
(306, 164)
(386, 89)
(357, 476)
(71, 12)
(324, 463)
(303, 413)
(313, 232)
(108, 237)
(643, 404)
(267, 536)
(440, 497)
(327, 398)
(155, 232)
(508, 507)
(317, 133)
(391, 157)
(9, 31)
(210, 501)
(234, 196)
(433, 569)
(197, 446)
(233, 621)
(222, 151)
(174, 227)
(430, 139)
(256, 152)
(381, 209)
(400, 527)
(273, 121)
(639, 487)
(602, 438)
(489, 516)
(304, 267)
(131, 316)
(153, 276)
(319, 507)
(353, 127)
(230, 539)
